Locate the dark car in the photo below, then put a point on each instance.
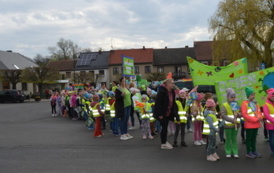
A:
(201, 88)
(12, 96)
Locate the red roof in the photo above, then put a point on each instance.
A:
(203, 50)
(65, 65)
(140, 55)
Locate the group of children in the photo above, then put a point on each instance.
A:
(98, 108)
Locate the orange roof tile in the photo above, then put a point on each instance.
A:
(66, 65)
(140, 55)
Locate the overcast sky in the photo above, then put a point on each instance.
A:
(29, 27)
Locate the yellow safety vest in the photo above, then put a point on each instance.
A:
(112, 110)
(230, 115)
(145, 114)
(206, 129)
(95, 111)
(181, 112)
(199, 116)
(271, 112)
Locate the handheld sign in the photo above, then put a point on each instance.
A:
(234, 106)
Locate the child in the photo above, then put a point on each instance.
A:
(114, 124)
(210, 129)
(268, 113)
(196, 111)
(97, 114)
(146, 113)
(181, 117)
(231, 116)
(252, 116)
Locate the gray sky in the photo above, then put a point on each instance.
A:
(29, 27)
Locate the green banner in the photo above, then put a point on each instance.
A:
(128, 66)
(207, 75)
(260, 81)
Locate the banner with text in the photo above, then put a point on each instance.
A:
(128, 66)
(207, 75)
(260, 81)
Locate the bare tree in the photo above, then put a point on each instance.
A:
(64, 50)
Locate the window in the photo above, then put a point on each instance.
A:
(115, 70)
(24, 86)
(147, 69)
(178, 69)
(82, 72)
(226, 62)
(102, 72)
(204, 62)
(68, 74)
(136, 69)
(160, 69)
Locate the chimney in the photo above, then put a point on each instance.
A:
(186, 46)
(9, 50)
(166, 47)
(144, 47)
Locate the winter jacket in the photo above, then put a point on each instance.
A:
(251, 119)
(119, 104)
(161, 103)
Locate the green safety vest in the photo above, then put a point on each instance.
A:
(230, 115)
(206, 129)
(182, 112)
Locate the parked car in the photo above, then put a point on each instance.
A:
(201, 88)
(12, 96)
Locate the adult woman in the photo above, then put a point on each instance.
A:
(231, 116)
(123, 106)
(164, 109)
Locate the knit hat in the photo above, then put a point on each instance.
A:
(200, 96)
(270, 93)
(210, 103)
(230, 93)
(182, 91)
(248, 91)
(111, 94)
(185, 89)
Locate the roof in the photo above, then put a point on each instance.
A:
(144, 55)
(65, 65)
(12, 61)
(203, 50)
(172, 56)
(92, 60)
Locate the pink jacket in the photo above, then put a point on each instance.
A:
(267, 116)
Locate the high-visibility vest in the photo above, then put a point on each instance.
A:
(88, 108)
(144, 111)
(230, 115)
(83, 101)
(107, 106)
(95, 111)
(199, 116)
(181, 112)
(250, 112)
(206, 129)
(112, 110)
(271, 112)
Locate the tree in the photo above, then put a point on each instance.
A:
(13, 76)
(246, 29)
(83, 78)
(65, 50)
(40, 75)
(155, 76)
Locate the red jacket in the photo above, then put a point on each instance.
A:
(251, 119)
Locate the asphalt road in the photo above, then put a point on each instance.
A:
(31, 141)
